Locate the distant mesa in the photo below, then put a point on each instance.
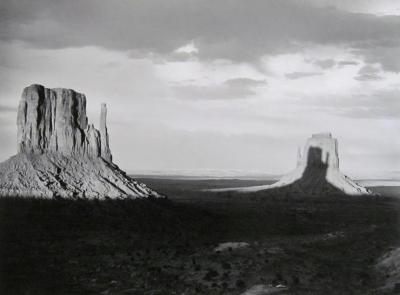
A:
(61, 154)
(317, 172)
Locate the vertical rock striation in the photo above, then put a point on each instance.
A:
(54, 120)
(105, 149)
(60, 154)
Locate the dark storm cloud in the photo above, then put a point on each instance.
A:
(300, 75)
(234, 29)
(230, 89)
(387, 56)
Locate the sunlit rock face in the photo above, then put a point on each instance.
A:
(105, 149)
(54, 120)
(60, 154)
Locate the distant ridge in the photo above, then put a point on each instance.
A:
(204, 174)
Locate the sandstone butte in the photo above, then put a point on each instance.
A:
(60, 154)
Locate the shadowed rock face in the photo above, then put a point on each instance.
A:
(328, 151)
(313, 180)
(60, 154)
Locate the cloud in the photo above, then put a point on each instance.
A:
(325, 63)
(369, 73)
(245, 82)
(347, 63)
(378, 7)
(368, 77)
(237, 88)
(217, 29)
(139, 55)
(301, 75)
(384, 54)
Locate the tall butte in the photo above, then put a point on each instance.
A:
(61, 154)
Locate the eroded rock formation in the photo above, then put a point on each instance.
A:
(318, 169)
(317, 172)
(60, 154)
(54, 120)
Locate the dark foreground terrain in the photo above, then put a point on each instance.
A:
(312, 245)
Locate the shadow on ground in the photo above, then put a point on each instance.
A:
(313, 245)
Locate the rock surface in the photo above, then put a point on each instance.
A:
(317, 171)
(105, 149)
(54, 120)
(60, 154)
(55, 175)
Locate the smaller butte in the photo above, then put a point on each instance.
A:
(317, 172)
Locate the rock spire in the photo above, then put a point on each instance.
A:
(105, 149)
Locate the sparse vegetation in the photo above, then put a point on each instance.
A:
(311, 245)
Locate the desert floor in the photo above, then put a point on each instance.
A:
(308, 245)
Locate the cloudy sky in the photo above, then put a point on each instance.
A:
(215, 85)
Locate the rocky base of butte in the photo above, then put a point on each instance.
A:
(60, 154)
